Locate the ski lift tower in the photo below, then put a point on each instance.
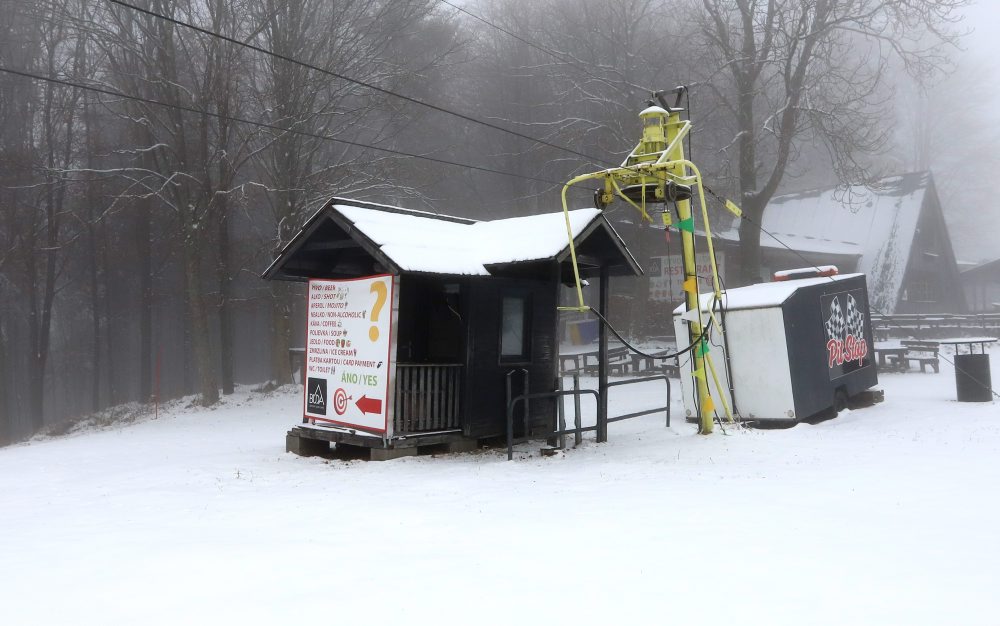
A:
(656, 172)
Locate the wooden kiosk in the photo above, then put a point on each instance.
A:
(470, 306)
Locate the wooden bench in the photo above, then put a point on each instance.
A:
(923, 352)
(574, 363)
(670, 367)
(618, 361)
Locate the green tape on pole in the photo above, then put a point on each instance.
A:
(687, 225)
(702, 349)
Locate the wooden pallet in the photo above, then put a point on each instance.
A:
(308, 440)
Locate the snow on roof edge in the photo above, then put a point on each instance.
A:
(762, 295)
(424, 242)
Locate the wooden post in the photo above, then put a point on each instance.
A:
(602, 361)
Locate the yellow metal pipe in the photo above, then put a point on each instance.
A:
(718, 387)
(572, 246)
(676, 165)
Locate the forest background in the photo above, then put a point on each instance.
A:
(155, 155)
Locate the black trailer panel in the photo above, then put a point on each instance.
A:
(830, 343)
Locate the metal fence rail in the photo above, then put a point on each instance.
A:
(531, 396)
(644, 379)
(577, 430)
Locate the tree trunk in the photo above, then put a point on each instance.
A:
(749, 267)
(750, 233)
(145, 263)
(225, 297)
(95, 295)
(6, 427)
(108, 321)
(95, 315)
(36, 370)
(281, 334)
(208, 385)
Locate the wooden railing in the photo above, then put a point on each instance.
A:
(428, 397)
(935, 324)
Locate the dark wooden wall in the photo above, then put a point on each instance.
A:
(485, 406)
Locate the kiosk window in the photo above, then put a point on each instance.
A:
(514, 328)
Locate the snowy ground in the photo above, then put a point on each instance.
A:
(886, 515)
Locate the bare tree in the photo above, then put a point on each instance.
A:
(358, 38)
(789, 72)
(40, 145)
(149, 56)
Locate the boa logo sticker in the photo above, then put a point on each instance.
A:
(316, 398)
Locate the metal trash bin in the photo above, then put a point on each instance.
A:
(972, 378)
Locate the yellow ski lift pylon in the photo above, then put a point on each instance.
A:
(656, 172)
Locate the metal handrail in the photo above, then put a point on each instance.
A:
(662, 377)
(562, 432)
(534, 396)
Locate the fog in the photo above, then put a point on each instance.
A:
(964, 109)
(155, 156)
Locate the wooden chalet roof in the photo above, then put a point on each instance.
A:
(348, 238)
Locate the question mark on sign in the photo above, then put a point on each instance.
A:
(380, 295)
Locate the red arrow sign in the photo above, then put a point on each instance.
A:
(369, 405)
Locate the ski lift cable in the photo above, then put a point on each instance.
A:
(373, 87)
(275, 127)
(832, 279)
(537, 46)
(704, 336)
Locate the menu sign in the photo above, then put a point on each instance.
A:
(349, 352)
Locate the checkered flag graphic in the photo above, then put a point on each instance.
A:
(855, 320)
(836, 325)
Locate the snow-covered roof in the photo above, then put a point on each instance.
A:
(875, 224)
(762, 294)
(983, 269)
(418, 243)
(421, 242)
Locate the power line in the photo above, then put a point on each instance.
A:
(552, 53)
(389, 92)
(240, 120)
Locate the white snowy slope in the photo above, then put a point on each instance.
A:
(885, 515)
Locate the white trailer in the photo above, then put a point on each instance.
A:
(792, 349)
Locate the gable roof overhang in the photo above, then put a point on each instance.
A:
(328, 246)
(332, 245)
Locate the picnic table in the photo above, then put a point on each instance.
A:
(922, 352)
(576, 358)
(621, 361)
(586, 360)
(897, 355)
(654, 361)
(885, 350)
